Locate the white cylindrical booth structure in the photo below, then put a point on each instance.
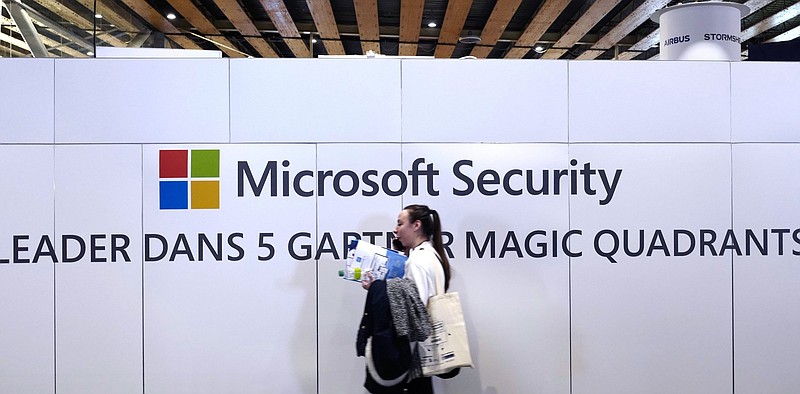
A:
(701, 31)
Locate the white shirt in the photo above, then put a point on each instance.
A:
(424, 268)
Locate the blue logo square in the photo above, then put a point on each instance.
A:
(174, 194)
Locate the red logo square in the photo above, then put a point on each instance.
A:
(173, 163)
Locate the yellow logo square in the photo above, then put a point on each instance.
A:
(205, 194)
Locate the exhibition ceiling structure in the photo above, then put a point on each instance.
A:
(508, 29)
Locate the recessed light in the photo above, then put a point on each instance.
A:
(171, 16)
(432, 24)
(98, 16)
(313, 40)
(90, 53)
(538, 49)
(469, 39)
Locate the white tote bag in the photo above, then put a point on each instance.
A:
(448, 346)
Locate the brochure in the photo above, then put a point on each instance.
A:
(364, 257)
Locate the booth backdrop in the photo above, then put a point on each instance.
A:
(176, 226)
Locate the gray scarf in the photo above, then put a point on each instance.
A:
(410, 317)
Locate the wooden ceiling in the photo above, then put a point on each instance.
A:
(511, 29)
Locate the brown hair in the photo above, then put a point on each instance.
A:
(432, 228)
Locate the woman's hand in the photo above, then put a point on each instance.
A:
(367, 281)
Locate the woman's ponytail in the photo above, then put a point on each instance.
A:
(432, 228)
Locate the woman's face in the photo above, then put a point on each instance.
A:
(406, 231)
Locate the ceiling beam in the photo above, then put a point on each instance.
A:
(29, 33)
(193, 15)
(63, 48)
(635, 19)
(76, 19)
(8, 49)
(786, 36)
(155, 19)
(138, 40)
(66, 13)
(368, 30)
(642, 45)
(591, 54)
(410, 24)
(15, 42)
(586, 22)
(238, 17)
(9, 39)
(756, 5)
(544, 17)
(322, 13)
(771, 21)
(454, 18)
(501, 14)
(280, 17)
(52, 45)
(115, 14)
(62, 31)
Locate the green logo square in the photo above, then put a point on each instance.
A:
(205, 163)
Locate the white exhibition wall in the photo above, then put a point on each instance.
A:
(615, 227)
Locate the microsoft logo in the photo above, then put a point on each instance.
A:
(175, 179)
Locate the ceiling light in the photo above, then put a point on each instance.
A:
(90, 53)
(469, 38)
(432, 24)
(313, 40)
(97, 16)
(171, 16)
(538, 49)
